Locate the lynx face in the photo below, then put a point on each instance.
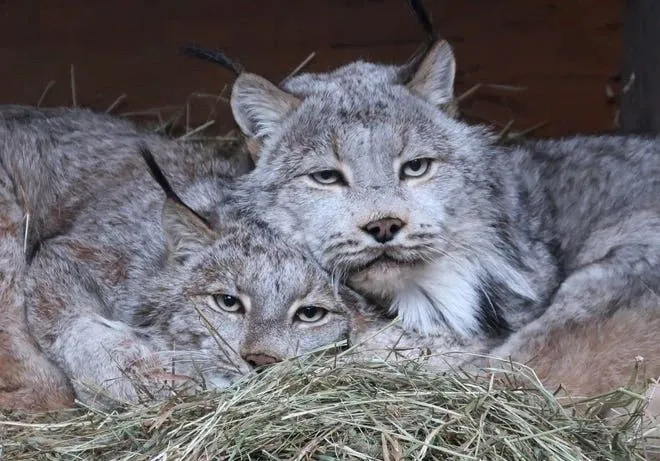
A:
(377, 202)
(381, 185)
(235, 296)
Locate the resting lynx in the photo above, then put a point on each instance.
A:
(119, 284)
(471, 243)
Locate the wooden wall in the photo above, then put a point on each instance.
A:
(564, 51)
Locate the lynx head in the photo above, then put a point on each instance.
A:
(234, 295)
(364, 167)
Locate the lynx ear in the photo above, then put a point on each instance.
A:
(433, 78)
(259, 106)
(186, 232)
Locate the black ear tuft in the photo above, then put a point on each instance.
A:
(423, 18)
(215, 56)
(408, 70)
(159, 176)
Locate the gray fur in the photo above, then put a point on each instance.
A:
(498, 240)
(120, 282)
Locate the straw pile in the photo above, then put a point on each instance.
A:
(324, 409)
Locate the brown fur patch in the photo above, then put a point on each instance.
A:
(85, 253)
(11, 305)
(110, 262)
(48, 304)
(60, 217)
(601, 356)
(8, 227)
(254, 148)
(28, 381)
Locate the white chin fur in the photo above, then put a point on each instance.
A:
(441, 295)
(428, 298)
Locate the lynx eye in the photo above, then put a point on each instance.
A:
(327, 177)
(310, 314)
(415, 168)
(226, 303)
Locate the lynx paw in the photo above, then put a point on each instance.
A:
(521, 347)
(114, 364)
(131, 373)
(384, 339)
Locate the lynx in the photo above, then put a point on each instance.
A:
(474, 245)
(126, 286)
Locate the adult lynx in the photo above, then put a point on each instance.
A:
(471, 243)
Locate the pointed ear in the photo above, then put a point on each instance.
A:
(433, 78)
(186, 232)
(259, 106)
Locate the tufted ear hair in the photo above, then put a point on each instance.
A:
(430, 72)
(193, 50)
(186, 231)
(258, 105)
(407, 71)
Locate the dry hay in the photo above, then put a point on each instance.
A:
(324, 409)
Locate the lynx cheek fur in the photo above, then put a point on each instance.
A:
(123, 284)
(427, 215)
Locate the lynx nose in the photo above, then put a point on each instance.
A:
(384, 230)
(260, 360)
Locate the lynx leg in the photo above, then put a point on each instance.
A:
(28, 380)
(619, 264)
(106, 360)
(373, 337)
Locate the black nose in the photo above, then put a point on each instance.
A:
(384, 230)
(260, 360)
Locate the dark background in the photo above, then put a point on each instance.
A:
(563, 52)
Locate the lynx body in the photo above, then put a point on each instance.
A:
(474, 245)
(119, 285)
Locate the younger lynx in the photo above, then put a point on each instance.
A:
(120, 286)
(469, 242)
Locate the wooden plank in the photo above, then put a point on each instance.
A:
(563, 51)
